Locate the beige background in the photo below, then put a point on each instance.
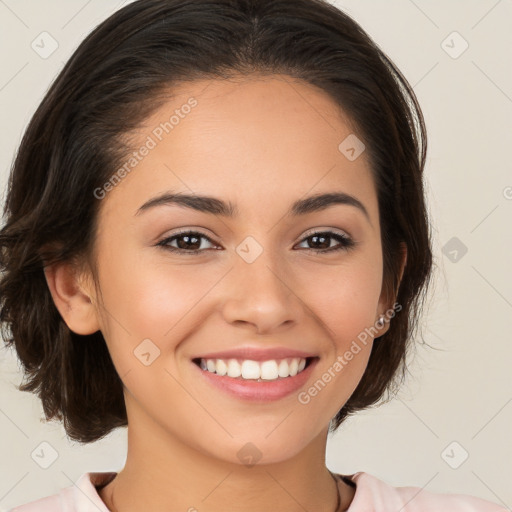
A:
(458, 401)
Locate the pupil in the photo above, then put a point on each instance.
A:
(187, 241)
(321, 237)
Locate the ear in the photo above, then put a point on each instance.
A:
(385, 302)
(75, 303)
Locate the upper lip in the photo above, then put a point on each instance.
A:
(257, 354)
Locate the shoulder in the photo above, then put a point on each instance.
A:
(79, 497)
(375, 494)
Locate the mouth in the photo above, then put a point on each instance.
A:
(260, 371)
(256, 381)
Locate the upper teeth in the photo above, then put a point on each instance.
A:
(248, 369)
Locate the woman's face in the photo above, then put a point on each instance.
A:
(258, 146)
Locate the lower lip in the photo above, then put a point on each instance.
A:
(263, 391)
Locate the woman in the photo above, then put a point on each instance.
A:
(217, 235)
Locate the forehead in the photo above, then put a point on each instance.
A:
(248, 139)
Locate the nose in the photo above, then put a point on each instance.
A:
(262, 295)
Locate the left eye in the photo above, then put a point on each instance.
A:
(344, 241)
(190, 242)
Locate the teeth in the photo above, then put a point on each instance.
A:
(294, 367)
(269, 370)
(221, 367)
(255, 370)
(234, 369)
(251, 370)
(284, 369)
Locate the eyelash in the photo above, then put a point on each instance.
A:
(346, 243)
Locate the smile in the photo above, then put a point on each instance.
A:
(248, 369)
(261, 381)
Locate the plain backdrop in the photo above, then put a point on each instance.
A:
(449, 428)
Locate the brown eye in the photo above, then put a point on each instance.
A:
(190, 242)
(321, 241)
(187, 242)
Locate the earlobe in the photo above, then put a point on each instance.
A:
(75, 304)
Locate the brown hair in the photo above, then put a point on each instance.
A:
(112, 82)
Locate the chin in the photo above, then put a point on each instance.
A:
(260, 448)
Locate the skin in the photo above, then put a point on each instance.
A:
(261, 143)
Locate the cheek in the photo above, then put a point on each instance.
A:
(345, 302)
(150, 300)
(345, 297)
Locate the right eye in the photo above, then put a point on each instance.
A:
(185, 240)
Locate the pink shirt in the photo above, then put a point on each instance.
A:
(372, 495)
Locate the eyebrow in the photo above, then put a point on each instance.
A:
(215, 206)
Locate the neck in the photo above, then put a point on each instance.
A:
(162, 473)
